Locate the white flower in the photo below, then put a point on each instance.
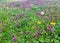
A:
(42, 13)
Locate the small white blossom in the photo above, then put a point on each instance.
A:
(42, 13)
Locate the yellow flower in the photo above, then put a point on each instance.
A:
(53, 23)
(38, 22)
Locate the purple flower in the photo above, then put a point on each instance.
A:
(51, 17)
(38, 2)
(56, 18)
(21, 33)
(36, 34)
(19, 24)
(28, 32)
(24, 4)
(28, 1)
(14, 39)
(50, 28)
(19, 16)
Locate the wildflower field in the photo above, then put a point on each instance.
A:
(36, 24)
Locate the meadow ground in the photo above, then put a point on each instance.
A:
(35, 25)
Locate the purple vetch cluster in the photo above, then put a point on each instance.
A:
(26, 4)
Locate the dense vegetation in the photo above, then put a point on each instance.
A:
(30, 25)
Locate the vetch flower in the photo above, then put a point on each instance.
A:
(50, 28)
(51, 17)
(36, 34)
(38, 22)
(19, 24)
(14, 39)
(53, 23)
(56, 18)
(21, 33)
(28, 32)
(19, 16)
